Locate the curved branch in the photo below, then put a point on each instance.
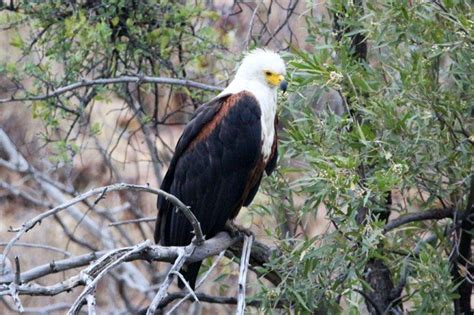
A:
(108, 81)
(432, 214)
(40, 246)
(28, 225)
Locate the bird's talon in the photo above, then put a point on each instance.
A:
(236, 230)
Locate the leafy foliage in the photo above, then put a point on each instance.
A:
(71, 41)
(409, 130)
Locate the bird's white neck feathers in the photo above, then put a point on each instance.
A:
(250, 77)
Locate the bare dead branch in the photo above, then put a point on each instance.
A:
(28, 225)
(36, 289)
(13, 292)
(244, 263)
(95, 272)
(117, 80)
(91, 303)
(15, 159)
(249, 33)
(147, 133)
(186, 284)
(48, 309)
(109, 260)
(210, 247)
(40, 246)
(141, 220)
(200, 282)
(162, 292)
(17, 270)
(51, 188)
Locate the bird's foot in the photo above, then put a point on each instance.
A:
(236, 230)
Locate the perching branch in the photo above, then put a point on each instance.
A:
(211, 247)
(105, 261)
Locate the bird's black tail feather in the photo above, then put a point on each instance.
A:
(190, 273)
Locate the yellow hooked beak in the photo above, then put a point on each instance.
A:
(276, 80)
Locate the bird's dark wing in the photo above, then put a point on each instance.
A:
(201, 117)
(269, 167)
(212, 168)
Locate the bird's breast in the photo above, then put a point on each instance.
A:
(267, 100)
(268, 108)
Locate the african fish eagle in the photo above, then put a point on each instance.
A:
(220, 158)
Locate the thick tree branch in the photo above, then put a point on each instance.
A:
(211, 247)
(462, 259)
(433, 214)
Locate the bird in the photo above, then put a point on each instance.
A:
(222, 154)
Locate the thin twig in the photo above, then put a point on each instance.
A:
(40, 246)
(150, 139)
(162, 292)
(198, 285)
(17, 270)
(244, 265)
(249, 34)
(91, 303)
(141, 220)
(104, 265)
(186, 283)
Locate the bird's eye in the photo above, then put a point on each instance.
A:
(268, 73)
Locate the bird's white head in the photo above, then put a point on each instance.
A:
(263, 66)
